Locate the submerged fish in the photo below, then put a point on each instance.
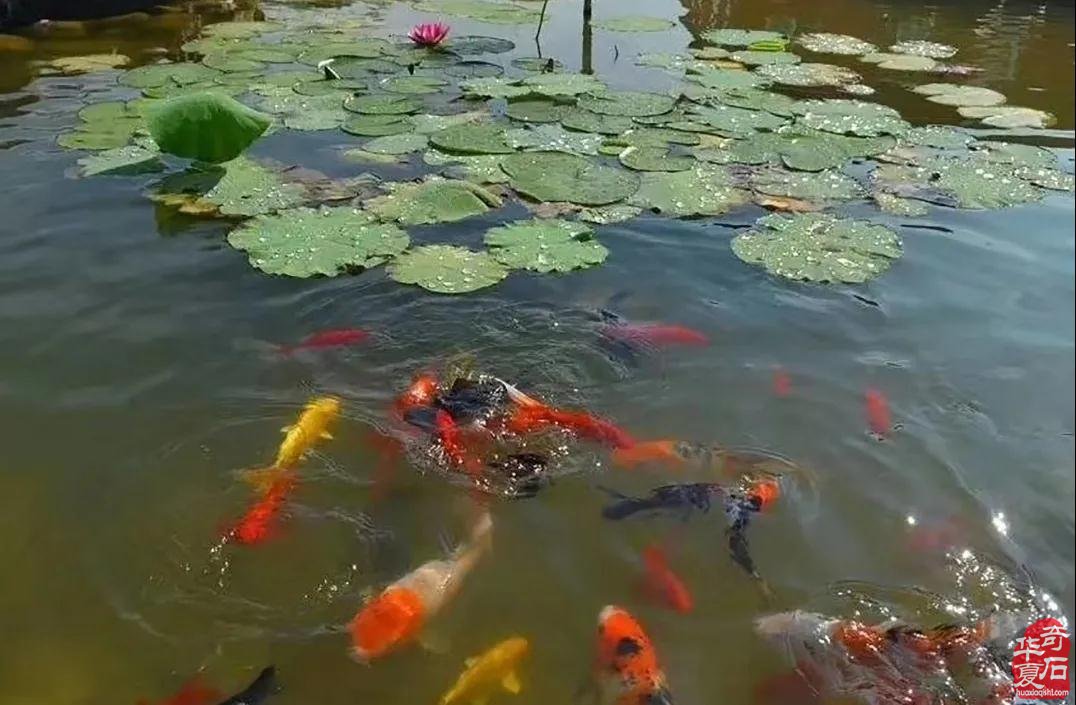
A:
(877, 409)
(782, 383)
(312, 426)
(258, 524)
(626, 667)
(397, 616)
(194, 692)
(334, 338)
(530, 415)
(662, 584)
(654, 334)
(258, 691)
(495, 670)
(729, 464)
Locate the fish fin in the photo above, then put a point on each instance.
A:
(511, 683)
(326, 435)
(261, 479)
(649, 451)
(285, 429)
(519, 397)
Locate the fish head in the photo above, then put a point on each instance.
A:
(514, 649)
(328, 407)
(627, 665)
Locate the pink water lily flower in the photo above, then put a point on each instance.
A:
(428, 34)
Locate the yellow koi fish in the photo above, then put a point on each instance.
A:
(311, 427)
(489, 673)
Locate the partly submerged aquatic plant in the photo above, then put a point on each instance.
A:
(428, 34)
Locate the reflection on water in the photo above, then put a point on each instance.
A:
(138, 378)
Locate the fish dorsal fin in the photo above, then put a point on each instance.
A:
(511, 682)
(326, 435)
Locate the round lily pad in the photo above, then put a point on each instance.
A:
(477, 168)
(535, 110)
(555, 176)
(937, 136)
(812, 186)
(653, 159)
(471, 45)
(433, 201)
(303, 242)
(627, 103)
(412, 85)
(1008, 116)
(553, 138)
(493, 87)
(604, 215)
(127, 160)
(545, 245)
(232, 64)
(562, 84)
(474, 69)
(654, 137)
(403, 143)
(851, 117)
(377, 125)
(828, 43)
(962, 96)
(934, 50)
(809, 74)
(207, 127)
(382, 104)
(665, 60)
(248, 188)
(907, 62)
(537, 64)
(88, 63)
(443, 269)
(731, 121)
(763, 58)
(741, 37)
(635, 23)
(428, 124)
(754, 99)
(705, 190)
(587, 121)
(160, 74)
(482, 10)
(723, 80)
(970, 181)
(472, 138)
(818, 247)
(355, 67)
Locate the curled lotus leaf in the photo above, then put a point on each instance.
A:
(535, 110)
(382, 104)
(545, 245)
(403, 143)
(818, 247)
(1008, 116)
(828, 43)
(586, 121)
(627, 103)
(741, 37)
(810, 75)
(377, 125)
(553, 138)
(653, 159)
(562, 84)
(432, 201)
(473, 45)
(811, 186)
(206, 127)
(156, 75)
(247, 188)
(635, 23)
(444, 269)
(303, 242)
(126, 160)
(472, 138)
(482, 10)
(958, 95)
(933, 50)
(851, 117)
(494, 87)
(705, 190)
(729, 121)
(763, 58)
(556, 176)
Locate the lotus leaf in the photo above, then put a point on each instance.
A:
(741, 37)
(397, 144)
(555, 176)
(809, 74)
(377, 125)
(553, 138)
(444, 269)
(537, 64)
(635, 23)
(1008, 116)
(966, 182)
(472, 138)
(479, 169)
(482, 10)
(722, 80)
(731, 121)
(240, 29)
(961, 96)
(664, 60)
(653, 137)
(428, 124)
(89, 63)
(545, 245)
(474, 69)
(827, 43)
(705, 190)
(303, 242)
(232, 64)
(535, 110)
(763, 58)
(247, 188)
(435, 200)
(206, 127)
(908, 62)
(627, 103)
(851, 117)
(653, 159)
(932, 50)
(587, 121)
(412, 85)
(382, 104)
(814, 186)
(754, 99)
(471, 45)
(818, 247)
(493, 87)
(160, 74)
(562, 84)
(604, 215)
(131, 159)
(895, 205)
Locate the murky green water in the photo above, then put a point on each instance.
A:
(135, 379)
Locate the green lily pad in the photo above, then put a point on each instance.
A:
(970, 181)
(627, 103)
(474, 69)
(545, 245)
(741, 37)
(812, 186)
(535, 110)
(961, 96)
(731, 121)
(397, 144)
(906, 62)
(1008, 116)
(131, 159)
(493, 87)
(314, 119)
(444, 269)
(160, 74)
(709, 53)
(361, 155)
(817, 247)
(435, 200)
(537, 64)
(754, 99)
(724, 79)
(562, 84)
(237, 29)
(810, 75)
(229, 63)
(472, 138)
(586, 121)
(653, 137)
(764, 58)
(653, 159)
(356, 68)
(604, 215)
(88, 63)
(303, 242)
(705, 190)
(428, 124)
(555, 176)
(483, 11)
(937, 136)
(478, 168)
(367, 48)
(93, 140)
(472, 45)
(635, 23)
(818, 151)
(665, 60)
(553, 138)
(264, 53)
(933, 50)
(895, 205)
(246, 188)
(377, 125)
(382, 104)
(206, 127)
(851, 117)
(412, 85)
(827, 43)
(283, 101)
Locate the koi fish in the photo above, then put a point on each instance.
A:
(451, 438)
(782, 383)
(397, 616)
(654, 334)
(194, 693)
(422, 392)
(312, 426)
(626, 667)
(877, 409)
(257, 524)
(662, 584)
(488, 674)
(723, 463)
(531, 415)
(334, 338)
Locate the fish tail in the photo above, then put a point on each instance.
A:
(626, 507)
(647, 452)
(262, 479)
(519, 397)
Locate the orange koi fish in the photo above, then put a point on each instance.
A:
(422, 392)
(877, 409)
(396, 617)
(716, 461)
(627, 671)
(451, 438)
(531, 415)
(662, 584)
(256, 526)
(193, 692)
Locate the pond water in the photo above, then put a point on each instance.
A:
(138, 376)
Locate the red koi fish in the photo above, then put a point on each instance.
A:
(422, 392)
(451, 437)
(659, 335)
(531, 415)
(193, 692)
(333, 338)
(257, 524)
(877, 409)
(782, 383)
(663, 585)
